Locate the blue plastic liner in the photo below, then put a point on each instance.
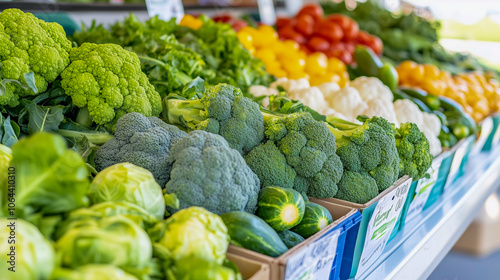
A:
(345, 247)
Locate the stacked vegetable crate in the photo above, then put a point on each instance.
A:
(320, 255)
(379, 217)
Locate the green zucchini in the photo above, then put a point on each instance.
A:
(316, 217)
(252, 233)
(281, 208)
(290, 238)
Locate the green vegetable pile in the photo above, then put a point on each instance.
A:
(172, 55)
(71, 227)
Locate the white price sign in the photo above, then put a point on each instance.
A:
(381, 224)
(267, 12)
(165, 9)
(423, 190)
(313, 262)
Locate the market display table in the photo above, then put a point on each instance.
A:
(418, 249)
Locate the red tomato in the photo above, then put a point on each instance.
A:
(313, 10)
(330, 31)
(305, 25)
(239, 24)
(222, 18)
(346, 57)
(349, 46)
(283, 22)
(373, 42)
(377, 45)
(348, 25)
(318, 44)
(289, 33)
(362, 38)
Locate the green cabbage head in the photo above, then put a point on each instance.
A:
(115, 240)
(34, 255)
(97, 212)
(196, 233)
(129, 183)
(50, 178)
(92, 272)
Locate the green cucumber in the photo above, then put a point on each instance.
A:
(398, 94)
(316, 217)
(252, 233)
(430, 100)
(290, 238)
(281, 208)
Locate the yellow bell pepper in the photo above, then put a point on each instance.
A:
(191, 22)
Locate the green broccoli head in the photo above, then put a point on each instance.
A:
(357, 187)
(107, 79)
(142, 141)
(29, 45)
(208, 173)
(298, 143)
(368, 148)
(222, 110)
(270, 165)
(415, 157)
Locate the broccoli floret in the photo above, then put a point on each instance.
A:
(107, 79)
(369, 148)
(142, 141)
(357, 187)
(306, 146)
(29, 45)
(222, 110)
(208, 173)
(415, 157)
(267, 161)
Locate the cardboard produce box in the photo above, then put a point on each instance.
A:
(317, 255)
(379, 217)
(250, 269)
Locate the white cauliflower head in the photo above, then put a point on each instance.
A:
(348, 102)
(432, 123)
(381, 108)
(434, 143)
(290, 85)
(372, 88)
(407, 111)
(257, 91)
(311, 97)
(329, 89)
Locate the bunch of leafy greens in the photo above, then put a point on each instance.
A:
(172, 55)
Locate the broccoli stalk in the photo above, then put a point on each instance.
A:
(223, 110)
(189, 114)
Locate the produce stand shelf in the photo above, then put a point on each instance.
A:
(417, 250)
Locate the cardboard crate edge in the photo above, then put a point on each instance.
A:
(259, 272)
(276, 264)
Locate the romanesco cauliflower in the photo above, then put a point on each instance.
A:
(29, 45)
(107, 79)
